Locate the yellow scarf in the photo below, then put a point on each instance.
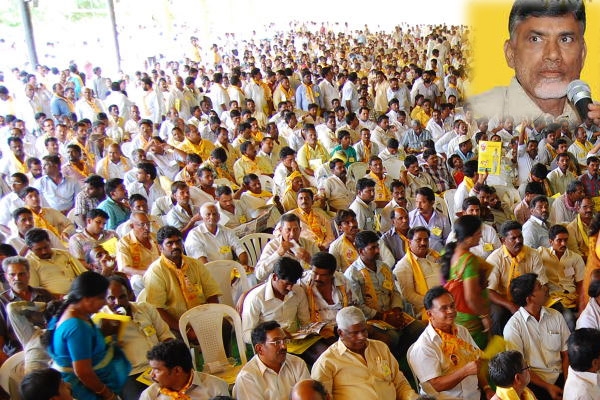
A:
(180, 394)
(190, 292)
(93, 105)
(251, 166)
(262, 195)
(514, 265)
(288, 95)
(39, 220)
(468, 183)
(370, 294)
(310, 94)
(583, 146)
(21, 166)
(349, 253)
(382, 192)
(314, 223)
(312, 304)
(551, 150)
(367, 150)
(187, 178)
(290, 179)
(85, 171)
(510, 393)
(458, 351)
(583, 231)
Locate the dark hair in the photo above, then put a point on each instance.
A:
(288, 269)
(259, 333)
(539, 171)
(509, 226)
(583, 348)
(20, 211)
(432, 294)
(149, 168)
(410, 160)
(137, 197)
(464, 227)
(364, 183)
(95, 213)
(195, 158)
(41, 384)
(592, 159)
(36, 235)
(286, 151)
(222, 190)
(594, 287)
(427, 192)
(364, 238)
(413, 231)
(29, 189)
(177, 185)
(522, 287)
(523, 9)
(574, 185)
(324, 260)
(7, 250)
(112, 185)
(470, 168)
(249, 178)
(555, 230)
(504, 366)
(172, 353)
(470, 201)
(342, 215)
(95, 181)
(166, 232)
(537, 199)
(534, 188)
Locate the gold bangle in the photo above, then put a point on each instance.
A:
(101, 390)
(484, 316)
(486, 387)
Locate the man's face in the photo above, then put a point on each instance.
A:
(419, 244)
(24, 223)
(182, 195)
(73, 154)
(116, 296)
(17, 277)
(119, 193)
(207, 179)
(355, 337)
(141, 226)
(349, 227)
(532, 149)
(376, 166)
(423, 204)
(32, 199)
(172, 247)
(513, 241)
(593, 168)
(165, 377)
(322, 277)
(140, 205)
(42, 249)
(586, 208)
(305, 201)
(559, 243)
(141, 175)
(211, 216)
(400, 220)
(367, 194)
(290, 230)
(16, 147)
(539, 296)
(443, 312)
(473, 209)
(546, 53)
(541, 210)
(95, 226)
(370, 253)
(274, 350)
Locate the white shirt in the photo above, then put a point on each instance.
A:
(202, 243)
(257, 381)
(329, 92)
(167, 163)
(269, 255)
(365, 214)
(487, 244)
(154, 194)
(590, 316)
(540, 342)
(261, 305)
(428, 362)
(581, 386)
(338, 194)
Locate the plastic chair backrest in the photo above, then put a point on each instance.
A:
(268, 184)
(393, 167)
(220, 270)
(207, 322)
(358, 170)
(254, 244)
(8, 367)
(449, 199)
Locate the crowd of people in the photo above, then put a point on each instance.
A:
(358, 152)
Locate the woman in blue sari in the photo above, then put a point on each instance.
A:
(95, 369)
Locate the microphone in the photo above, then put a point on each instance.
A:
(580, 95)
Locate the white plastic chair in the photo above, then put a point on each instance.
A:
(221, 273)
(393, 167)
(254, 244)
(358, 170)
(207, 322)
(9, 368)
(322, 173)
(268, 184)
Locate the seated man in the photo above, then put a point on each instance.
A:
(146, 183)
(233, 212)
(509, 261)
(382, 181)
(250, 163)
(579, 228)
(564, 208)
(395, 238)
(184, 215)
(327, 290)
(425, 214)
(343, 248)
(114, 165)
(145, 330)
(356, 367)
(419, 270)
(175, 378)
(44, 384)
(315, 223)
(176, 283)
(364, 205)
(138, 249)
(210, 241)
(445, 358)
(23, 220)
(115, 204)
(376, 295)
(309, 389)
(509, 371)
(399, 199)
(338, 190)
(93, 234)
(51, 269)
(540, 334)
(288, 244)
(584, 358)
(47, 218)
(271, 373)
(565, 270)
(535, 229)
(16, 273)
(137, 202)
(278, 299)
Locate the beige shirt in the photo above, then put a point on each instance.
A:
(163, 290)
(499, 278)
(577, 242)
(405, 280)
(564, 273)
(55, 274)
(348, 376)
(125, 251)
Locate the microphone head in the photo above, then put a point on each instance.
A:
(578, 89)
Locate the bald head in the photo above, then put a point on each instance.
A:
(309, 389)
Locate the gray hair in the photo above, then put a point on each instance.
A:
(206, 206)
(15, 260)
(415, 123)
(134, 214)
(349, 316)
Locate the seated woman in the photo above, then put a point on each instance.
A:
(95, 369)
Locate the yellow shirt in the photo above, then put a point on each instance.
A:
(55, 274)
(307, 153)
(245, 166)
(131, 253)
(163, 290)
(203, 149)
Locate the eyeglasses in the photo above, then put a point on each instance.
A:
(525, 368)
(144, 224)
(279, 342)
